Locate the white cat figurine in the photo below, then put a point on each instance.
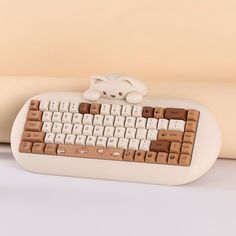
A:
(115, 86)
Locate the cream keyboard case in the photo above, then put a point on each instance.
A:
(158, 141)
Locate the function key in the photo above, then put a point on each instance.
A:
(148, 112)
(175, 113)
(34, 105)
(84, 108)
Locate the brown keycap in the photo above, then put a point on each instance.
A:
(187, 148)
(193, 115)
(84, 108)
(150, 157)
(175, 147)
(159, 146)
(38, 148)
(148, 112)
(173, 159)
(51, 149)
(162, 158)
(170, 135)
(33, 126)
(191, 126)
(159, 113)
(189, 137)
(95, 108)
(185, 160)
(175, 113)
(129, 155)
(34, 105)
(29, 136)
(90, 152)
(34, 115)
(139, 156)
(26, 147)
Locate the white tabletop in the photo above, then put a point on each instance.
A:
(34, 204)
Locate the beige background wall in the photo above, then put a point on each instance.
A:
(155, 39)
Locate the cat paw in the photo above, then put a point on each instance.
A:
(91, 95)
(134, 97)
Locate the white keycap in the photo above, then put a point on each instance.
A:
(64, 106)
(152, 134)
(112, 142)
(91, 141)
(109, 132)
(77, 118)
(178, 125)
(119, 121)
(108, 120)
(47, 127)
(67, 129)
(67, 117)
(77, 129)
(47, 116)
(70, 139)
(120, 132)
(98, 131)
(126, 110)
(54, 105)
(141, 134)
(88, 119)
(44, 105)
(74, 107)
(162, 124)
(123, 143)
(105, 109)
(145, 145)
(134, 144)
(56, 117)
(80, 140)
(101, 142)
(130, 122)
(98, 120)
(151, 123)
(115, 110)
(130, 133)
(137, 111)
(49, 138)
(88, 130)
(141, 123)
(57, 128)
(60, 139)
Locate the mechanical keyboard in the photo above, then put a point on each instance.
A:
(163, 141)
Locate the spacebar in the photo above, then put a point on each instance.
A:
(90, 152)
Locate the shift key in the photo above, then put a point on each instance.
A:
(170, 135)
(29, 136)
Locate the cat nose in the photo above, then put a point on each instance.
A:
(113, 96)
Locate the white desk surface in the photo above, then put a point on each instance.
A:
(36, 205)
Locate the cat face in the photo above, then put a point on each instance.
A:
(112, 88)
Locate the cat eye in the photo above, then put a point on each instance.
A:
(120, 93)
(104, 93)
